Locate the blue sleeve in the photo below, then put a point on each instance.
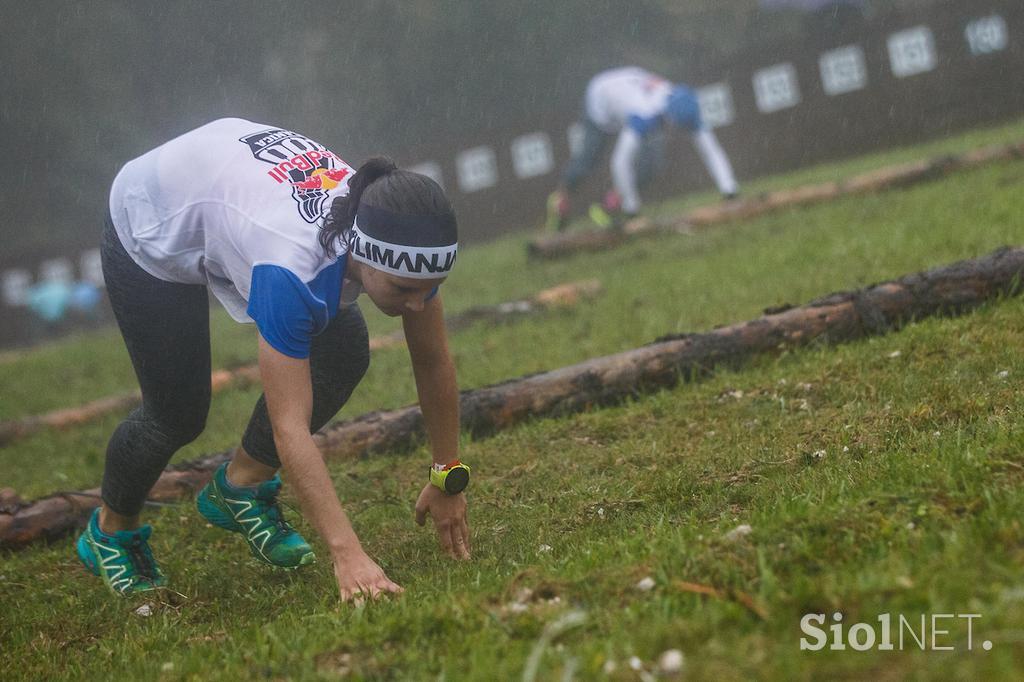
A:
(278, 304)
(432, 294)
(642, 125)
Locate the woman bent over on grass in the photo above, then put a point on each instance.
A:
(234, 207)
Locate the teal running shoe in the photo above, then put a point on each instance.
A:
(122, 559)
(255, 513)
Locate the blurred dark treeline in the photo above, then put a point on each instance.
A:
(87, 85)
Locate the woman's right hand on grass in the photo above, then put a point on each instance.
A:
(360, 577)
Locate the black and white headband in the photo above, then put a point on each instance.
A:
(418, 247)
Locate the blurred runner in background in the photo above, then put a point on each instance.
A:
(634, 105)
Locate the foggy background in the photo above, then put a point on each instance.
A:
(87, 86)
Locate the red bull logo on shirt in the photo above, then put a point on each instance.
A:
(309, 168)
(322, 178)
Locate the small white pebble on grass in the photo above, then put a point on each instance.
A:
(1003, 374)
(671, 662)
(167, 667)
(600, 512)
(1014, 594)
(146, 610)
(738, 532)
(910, 525)
(846, 448)
(544, 549)
(818, 454)
(609, 667)
(646, 585)
(635, 663)
(518, 607)
(937, 434)
(895, 354)
(515, 307)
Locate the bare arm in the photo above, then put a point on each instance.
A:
(434, 371)
(715, 160)
(623, 169)
(289, 394)
(439, 401)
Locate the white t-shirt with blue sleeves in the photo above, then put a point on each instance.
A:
(235, 205)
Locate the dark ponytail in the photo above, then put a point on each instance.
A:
(380, 183)
(343, 210)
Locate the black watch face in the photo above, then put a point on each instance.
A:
(456, 481)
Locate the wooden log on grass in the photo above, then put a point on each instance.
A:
(838, 317)
(570, 243)
(891, 177)
(559, 296)
(59, 513)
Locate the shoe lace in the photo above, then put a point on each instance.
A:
(272, 509)
(142, 560)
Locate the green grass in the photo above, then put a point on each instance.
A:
(93, 365)
(874, 482)
(661, 285)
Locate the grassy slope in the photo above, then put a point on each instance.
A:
(657, 286)
(914, 506)
(94, 364)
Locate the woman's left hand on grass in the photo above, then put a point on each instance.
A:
(449, 515)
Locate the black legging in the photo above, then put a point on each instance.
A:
(166, 327)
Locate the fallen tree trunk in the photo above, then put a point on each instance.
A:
(562, 295)
(891, 177)
(839, 317)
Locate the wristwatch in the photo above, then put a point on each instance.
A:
(452, 477)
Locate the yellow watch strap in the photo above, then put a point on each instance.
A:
(452, 478)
